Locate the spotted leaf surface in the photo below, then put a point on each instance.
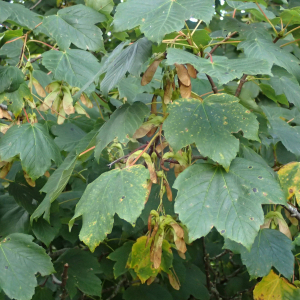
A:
(34, 146)
(208, 196)
(210, 125)
(289, 176)
(271, 248)
(20, 260)
(275, 287)
(76, 25)
(121, 192)
(159, 17)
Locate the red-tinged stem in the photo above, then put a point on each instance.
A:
(26, 115)
(36, 41)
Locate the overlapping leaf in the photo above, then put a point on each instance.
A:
(271, 248)
(18, 14)
(20, 260)
(210, 125)
(289, 176)
(208, 196)
(33, 144)
(276, 287)
(75, 67)
(122, 125)
(159, 17)
(10, 79)
(82, 271)
(111, 193)
(125, 60)
(75, 24)
(289, 135)
(222, 68)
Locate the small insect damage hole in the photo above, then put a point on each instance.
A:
(255, 190)
(223, 231)
(250, 167)
(260, 177)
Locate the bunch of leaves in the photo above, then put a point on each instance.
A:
(149, 148)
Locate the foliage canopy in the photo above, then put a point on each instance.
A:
(149, 148)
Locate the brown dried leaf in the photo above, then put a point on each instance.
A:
(159, 148)
(168, 190)
(142, 131)
(150, 280)
(192, 71)
(183, 74)
(4, 171)
(174, 281)
(168, 93)
(293, 220)
(86, 100)
(185, 91)
(284, 228)
(68, 104)
(4, 114)
(148, 75)
(149, 186)
(29, 180)
(182, 255)
(156, 251)
(266, 224)
(154, 105)
(178, 169)
(39, 89)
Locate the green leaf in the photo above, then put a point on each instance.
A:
(42, 293)
(111, 193)
(75, 24)
(265, 49)
(33, 144)
(285, 83)
(210, 125)
(149, 292)
(15, 99)
(82, 270)
(289, 135)
(193, 284)
(75, 67)
(20, 260)
(271, 248)
(13, 218)
(222, 68)
(208, 196)
(291, 16)
(10, 79)
(55, 185)
(275, 286)
(122, 125)
(18, 14)
(126, 60)
(120, 256)
(104, 6)
(67, 135)
(160, 17)
(46, 232)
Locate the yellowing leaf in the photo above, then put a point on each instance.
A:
(273, 287)
(289, 177)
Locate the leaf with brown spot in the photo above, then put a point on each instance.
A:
(148, 75)
(100, 202)
(274, 287)
(289, 176)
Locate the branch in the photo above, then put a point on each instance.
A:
(217, 46)
(117, 288)
(32, 7)
(219, 255)
(58, 252)
(64, 277)
(213, 86)
(206, 263)
(292, 210)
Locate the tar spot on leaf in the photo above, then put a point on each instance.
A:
(250, 167)
(255, 190)
(223, 231)
(260, 177)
